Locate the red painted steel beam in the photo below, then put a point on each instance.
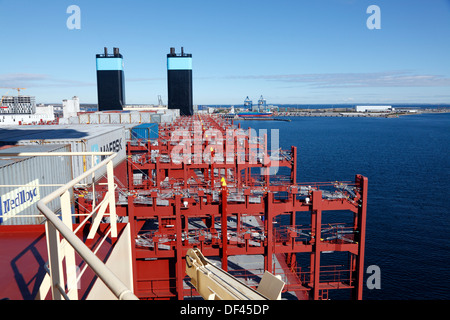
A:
(316, 222)
(361, 226)
(224, 227)
(269, 208)
(180, 264)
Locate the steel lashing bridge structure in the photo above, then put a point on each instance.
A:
(206, 183)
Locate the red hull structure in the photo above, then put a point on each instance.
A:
(205, 183)
(177, 200)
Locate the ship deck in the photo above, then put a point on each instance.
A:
(23, 256)
(23, 253)
(168, 202)
(23, 259)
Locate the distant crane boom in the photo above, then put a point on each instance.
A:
(18, 89)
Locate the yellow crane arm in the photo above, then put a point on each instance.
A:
(213, 283)
(18, 89)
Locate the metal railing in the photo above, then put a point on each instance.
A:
(65, 248)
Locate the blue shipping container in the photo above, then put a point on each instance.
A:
(145, 131)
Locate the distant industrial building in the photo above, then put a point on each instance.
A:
(71, 107)
(110, 81)
(179, 82)
(373, 108)
(16, 110)
(18, 105)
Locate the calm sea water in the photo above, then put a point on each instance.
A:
(407, 162)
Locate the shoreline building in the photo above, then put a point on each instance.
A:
(18, 105)
(373, 108)
(18, 110)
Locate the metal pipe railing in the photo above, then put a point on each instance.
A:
(120, 290)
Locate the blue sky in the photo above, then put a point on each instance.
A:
(289, 51)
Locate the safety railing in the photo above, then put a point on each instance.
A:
(152, 239)
(65, 248)
(330, 232)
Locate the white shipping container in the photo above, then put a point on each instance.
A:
(127, 128)
(156, 118)
(135, 117)
(81, 138)
(125, 118)
(94, 118)
(84, 118)
(31, 178)
(74, 120)
(104, 118)
(166, 118)
(145, 117)
(114, 118)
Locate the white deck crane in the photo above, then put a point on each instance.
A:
(213, 283)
